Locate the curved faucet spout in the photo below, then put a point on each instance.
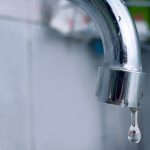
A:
(120, 80)
(117, 30)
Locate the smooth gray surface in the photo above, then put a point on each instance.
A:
(13, 88)
(145, 109)
(66, 117)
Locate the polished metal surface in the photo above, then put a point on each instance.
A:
(123, 84)
(124, 88)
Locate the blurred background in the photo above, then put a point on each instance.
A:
(50, 51)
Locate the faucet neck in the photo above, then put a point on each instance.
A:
(117, 31)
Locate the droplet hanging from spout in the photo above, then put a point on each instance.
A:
(134, 134)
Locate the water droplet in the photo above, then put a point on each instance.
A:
(134, 134)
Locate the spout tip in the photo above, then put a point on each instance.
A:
(120, 87)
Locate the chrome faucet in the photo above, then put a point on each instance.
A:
(120, 80)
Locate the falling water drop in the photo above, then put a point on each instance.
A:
(134, 134)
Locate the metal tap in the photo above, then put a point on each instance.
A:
(120, 80)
